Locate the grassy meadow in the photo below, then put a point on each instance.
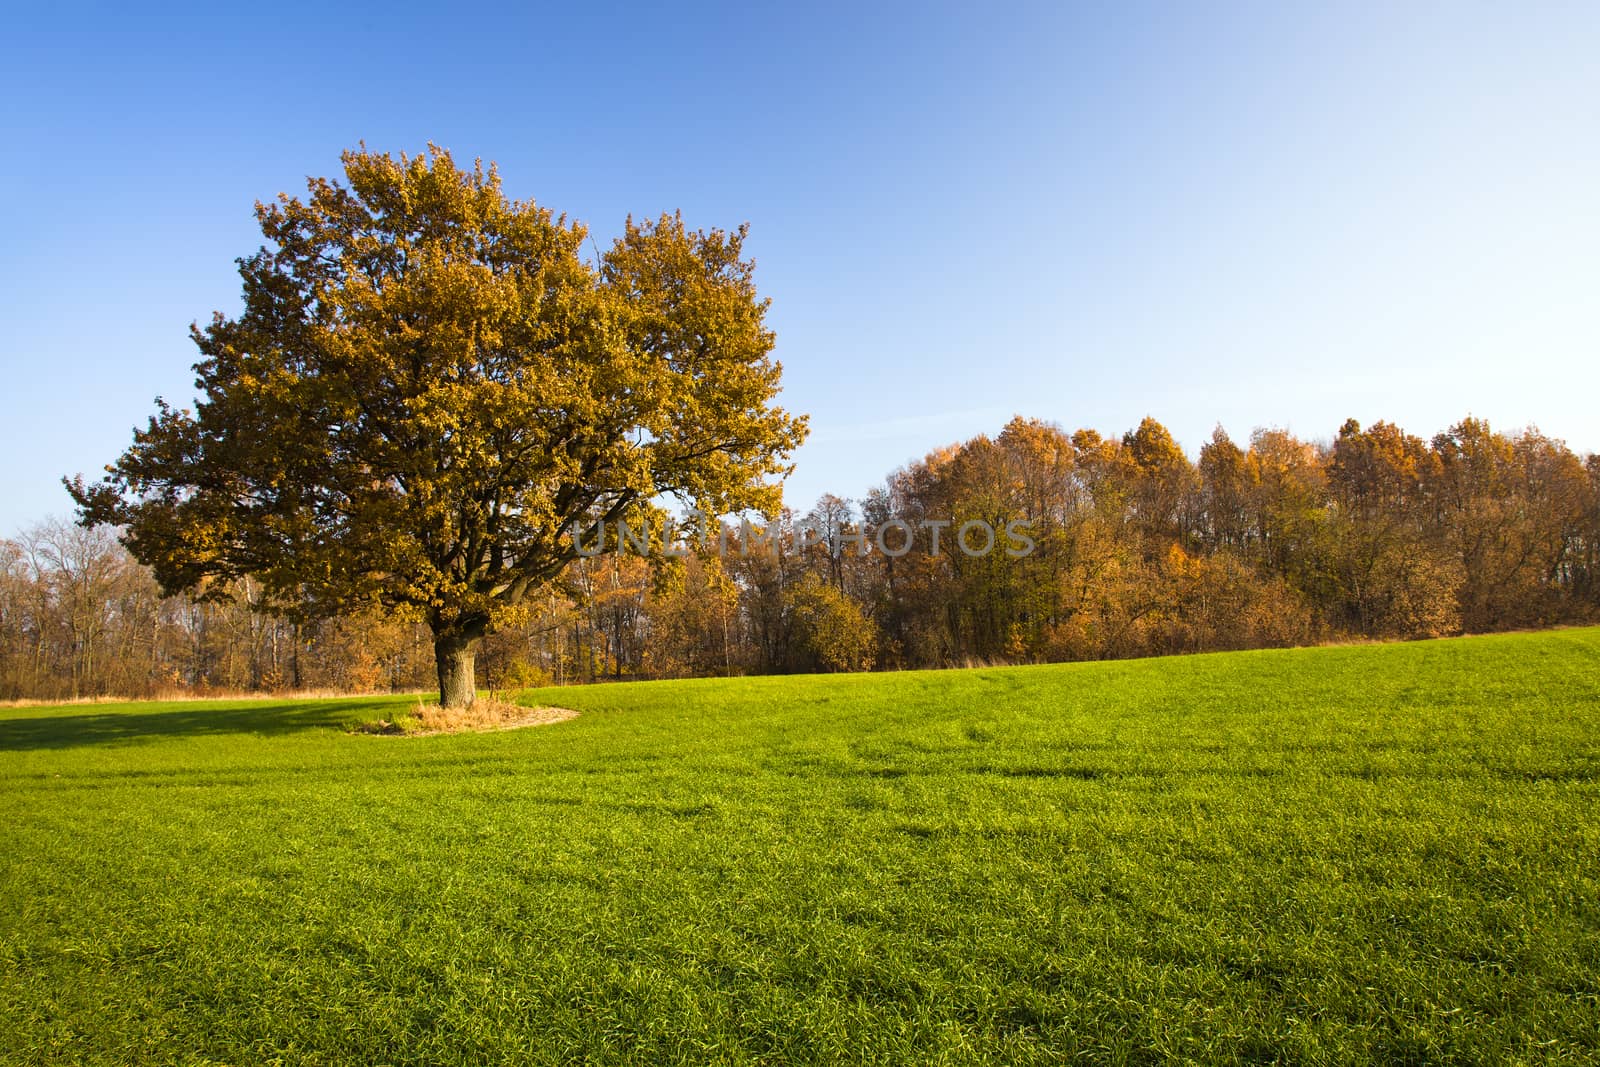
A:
(1359, 854)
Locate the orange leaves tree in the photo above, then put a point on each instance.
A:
(429, 384)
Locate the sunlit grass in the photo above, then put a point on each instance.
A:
(1369, 854)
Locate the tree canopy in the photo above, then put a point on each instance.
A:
(429, 383)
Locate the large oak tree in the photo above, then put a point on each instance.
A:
(428, 385)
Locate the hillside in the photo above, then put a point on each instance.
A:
(1366, 853)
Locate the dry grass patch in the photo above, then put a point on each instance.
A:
(424, 720)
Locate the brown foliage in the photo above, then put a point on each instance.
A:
(1378, 535)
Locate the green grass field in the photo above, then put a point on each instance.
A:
(1363, 854)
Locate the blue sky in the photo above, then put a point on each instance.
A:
(1234, 213)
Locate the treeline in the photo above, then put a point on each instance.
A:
(1137, 551)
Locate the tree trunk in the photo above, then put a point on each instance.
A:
(455, 654)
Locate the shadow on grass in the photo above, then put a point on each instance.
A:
(264, 717)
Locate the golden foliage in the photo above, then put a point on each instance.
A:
(429, 384)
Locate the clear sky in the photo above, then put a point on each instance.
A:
(1258, 214)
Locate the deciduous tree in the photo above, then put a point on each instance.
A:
(428, 383)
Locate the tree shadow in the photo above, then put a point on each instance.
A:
(265, 717)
